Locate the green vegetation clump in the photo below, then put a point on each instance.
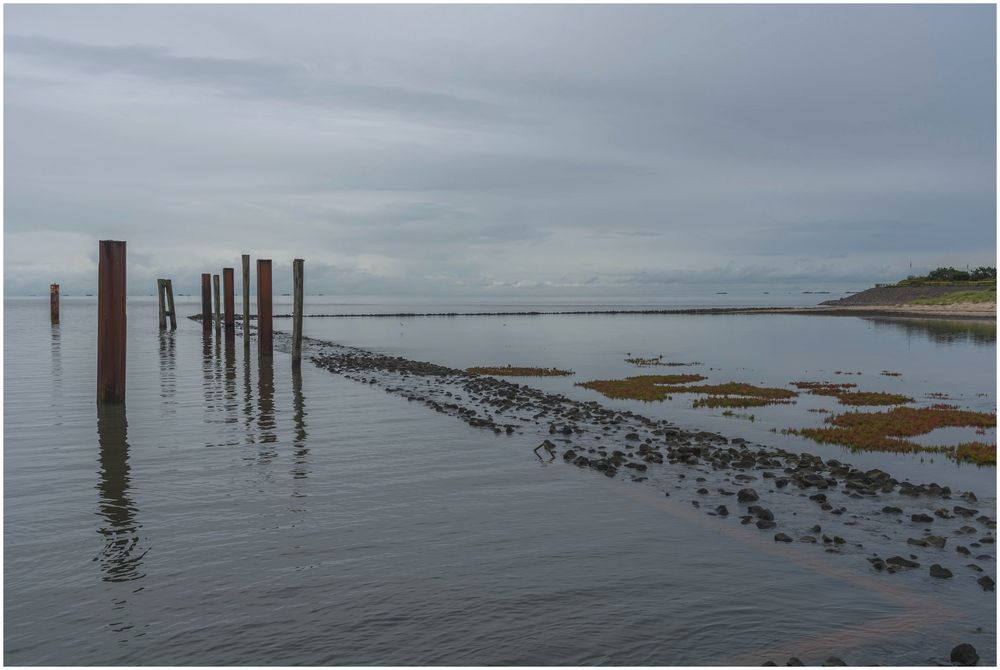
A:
(845, 396)
(650, 362)
(989, 295)
(738, 401)
(873, 398)
(660, 387)
(950, 275)
(823, 388)
(510, 371)
(643, 387)
(888, 431)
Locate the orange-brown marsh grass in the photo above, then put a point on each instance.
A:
(889, 430)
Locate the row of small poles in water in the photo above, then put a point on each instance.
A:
(111, 333)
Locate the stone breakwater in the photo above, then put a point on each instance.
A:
(888, 526)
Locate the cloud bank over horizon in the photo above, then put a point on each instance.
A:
(500, 150)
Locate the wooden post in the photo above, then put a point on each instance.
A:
(168, 288)
(206, 301)
(297, 289)
(111, 322)
(265, 337)
(54, 302)
(218, 307)
(228, 302)
(246, 300)
(161, 298)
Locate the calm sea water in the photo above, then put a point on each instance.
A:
(234, 513)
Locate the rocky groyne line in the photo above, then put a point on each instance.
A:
(891, 526)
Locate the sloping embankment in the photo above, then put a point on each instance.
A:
(895, 295)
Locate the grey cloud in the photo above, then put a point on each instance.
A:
(256, 78)
(573, 149)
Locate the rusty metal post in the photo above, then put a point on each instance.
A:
(54, 302)
(297, 289)
(206, 301)
(111, 322)
(228, 302)
(218, 306)
(246, 300)
(265, 336)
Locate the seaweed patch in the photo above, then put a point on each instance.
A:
(888, 431)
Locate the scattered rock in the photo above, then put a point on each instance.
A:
(781, 537)
(833, 661)
(901, 562)
(747, 495)
(921, 518)
(986, 583)
(940, 572)
(964, 654)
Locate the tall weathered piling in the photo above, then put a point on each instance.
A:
(206, 301)
(168, 289)
(218, 306)
(111, 322)
(265, 336)
(54, 302)
(228, 302)
(161, 300)
(246, 300)
(297, 291)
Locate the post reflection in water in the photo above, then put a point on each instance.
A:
(265, 407)
(299, 416)
(168, 370)
(247, 396)
(206, 367)
(230, 380)
(121, 557)
(56, 351)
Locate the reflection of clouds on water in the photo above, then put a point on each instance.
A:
(941, 331)
(121, 557)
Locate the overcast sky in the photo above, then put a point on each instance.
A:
(506, 150)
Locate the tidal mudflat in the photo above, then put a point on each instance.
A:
(400, 511)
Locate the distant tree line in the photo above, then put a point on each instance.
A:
(951, 274)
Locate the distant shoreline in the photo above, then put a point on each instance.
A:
(963, 311)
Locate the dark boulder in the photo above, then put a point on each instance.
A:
(747, 495)
(964, 654)
(940, 572)
(986, 583)
(901, 562)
